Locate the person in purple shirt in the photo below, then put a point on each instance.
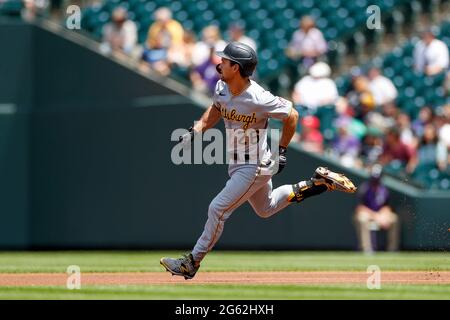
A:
(426, 115)
(345, 145)
(374, 213)
(204, 77)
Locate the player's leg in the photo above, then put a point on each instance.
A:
(267, 202)
(243, 182)
(238, 189)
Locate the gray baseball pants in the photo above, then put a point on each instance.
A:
(246, 183)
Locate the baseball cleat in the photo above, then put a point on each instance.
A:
(184, 266)
(333, 180)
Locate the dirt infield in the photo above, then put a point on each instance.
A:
(164, 278)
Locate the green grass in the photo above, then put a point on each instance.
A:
(230, 292)
(101, 261)
(120, 261)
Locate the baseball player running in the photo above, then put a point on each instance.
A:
(245, 105)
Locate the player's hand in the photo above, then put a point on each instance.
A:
(281, 159)
(187, 138)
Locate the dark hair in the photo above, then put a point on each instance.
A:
(394, 132)
(435, 139)
(241, 71)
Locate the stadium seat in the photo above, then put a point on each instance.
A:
(271, 24)
(11, 8)
(394, 168)
(444, 184)
(326, 115)
(336, 18)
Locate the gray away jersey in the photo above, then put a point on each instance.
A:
(249, 110)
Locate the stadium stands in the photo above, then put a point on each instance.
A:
(271, 23)
(339, 20)
(415, 92)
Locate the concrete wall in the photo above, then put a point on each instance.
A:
(16, 96)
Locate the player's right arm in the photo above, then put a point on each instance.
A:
(208, 120)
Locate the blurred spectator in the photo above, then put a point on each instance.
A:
(443, 148)
(359, 84)
(426, 155)
(210, 38)
(360, 98)
(306, 47)
(390, 112)
(237, 34)
(317, 89)
(33, 8)
(403, 123)
(165, 36)
(157, 57)
(446, 111)
(311, 138)
(382, 89)
(165, 32)
(443, 157)
(430, 55)
(439, 121)
(426, 115)
(365, 107)
(374, 213)
(372, 147)
(447, 84)
(343, 107)
(205, 76)
(120, 34)
(345, 146)
(385, 119)
(181, 56)
(395, 149)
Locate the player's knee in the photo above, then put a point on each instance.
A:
(212, 210)
(215, 210)
(263, 212)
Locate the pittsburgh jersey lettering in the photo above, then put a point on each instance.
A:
(234, 116)
(250, 110)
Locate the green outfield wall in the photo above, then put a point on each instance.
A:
(16, 100)
(85, 163)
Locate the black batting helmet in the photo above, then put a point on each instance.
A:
(242, 54)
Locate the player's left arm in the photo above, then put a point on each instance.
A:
(289, 126)
(281, 109)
